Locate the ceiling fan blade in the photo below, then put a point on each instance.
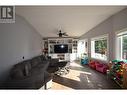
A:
(62, 33)
(65, 34)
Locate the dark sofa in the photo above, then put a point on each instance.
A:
(29, 74)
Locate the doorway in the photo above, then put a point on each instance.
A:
(82, 48)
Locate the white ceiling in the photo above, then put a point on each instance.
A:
(74, 20)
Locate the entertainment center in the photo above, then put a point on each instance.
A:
(64, 48)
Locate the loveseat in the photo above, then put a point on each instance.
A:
(29, 74)
(53, 62)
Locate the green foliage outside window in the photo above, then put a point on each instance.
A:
(101, 46)
(125, 47)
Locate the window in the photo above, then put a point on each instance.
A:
(122, 46)
(99, 47)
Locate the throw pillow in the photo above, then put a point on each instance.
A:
(26, 70)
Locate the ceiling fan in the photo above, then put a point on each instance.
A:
(61, 34)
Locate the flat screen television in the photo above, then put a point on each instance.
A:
(61, 48)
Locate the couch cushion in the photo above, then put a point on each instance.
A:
(46, 64)
(17, 74)
(43, 57)
(99, 65)
(29, 66)
(53, 62)
(47, 77)
(35, 61)
(39, 59)
(22, 64)
(36, 70)
(24, 67)
(43, 65)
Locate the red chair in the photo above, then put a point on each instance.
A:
(101, 67)
(92, 64)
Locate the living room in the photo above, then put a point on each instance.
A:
(68, 40)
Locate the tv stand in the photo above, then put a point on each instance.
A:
(62, 57)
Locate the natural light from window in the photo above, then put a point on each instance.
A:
(99, 47)
(122, 46)
(82, 47)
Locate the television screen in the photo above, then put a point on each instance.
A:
(61, 48)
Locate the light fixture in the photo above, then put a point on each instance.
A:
(62, 46)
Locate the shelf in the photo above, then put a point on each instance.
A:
(117, 74)
(72, 44)
(121, 85)
(72, 47)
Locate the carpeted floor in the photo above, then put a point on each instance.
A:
(83, 77)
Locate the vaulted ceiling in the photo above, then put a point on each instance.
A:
(74, 20)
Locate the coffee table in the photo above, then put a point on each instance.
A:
(63, 69)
